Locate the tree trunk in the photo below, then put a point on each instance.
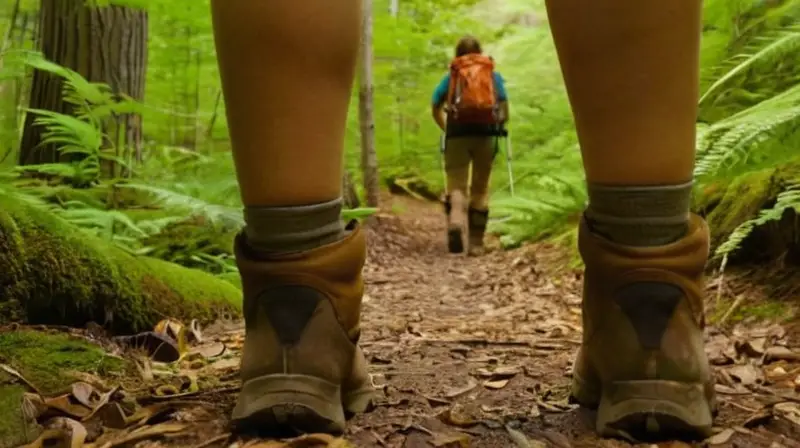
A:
(369, 159)
(106, 45)
(349, 193)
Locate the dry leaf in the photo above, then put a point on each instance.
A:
(148, 432)
(66, 406)
(101, 402)
(789, 411)
(83, 394)
(19, 376)
(194, 327)
(457, 415)
(75, 431)
(455, 392)
(721, 437)
(726, 390)
(33, 406)
(746, 374)
(211, 350)
(521, 440)
(457, 440)
(779, 353)
(44, 437)
(112, 416)
(496, 384)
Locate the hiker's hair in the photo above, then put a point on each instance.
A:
(468, 45)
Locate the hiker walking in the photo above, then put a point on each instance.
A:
(631, 71)
(470, 105)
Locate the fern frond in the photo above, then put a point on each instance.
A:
(789, 199)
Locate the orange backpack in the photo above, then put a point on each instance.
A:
(471, 96)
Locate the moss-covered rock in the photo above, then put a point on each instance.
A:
(47, 361)
(726, 205)
(52, 272)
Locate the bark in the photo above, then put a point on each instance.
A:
(349, 194)
(106, 45)
(369, 159)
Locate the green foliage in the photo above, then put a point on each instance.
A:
(748, 112)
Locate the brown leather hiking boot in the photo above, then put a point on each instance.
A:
(477, 228)
(454, 208)
(643, 363)
(301, 369)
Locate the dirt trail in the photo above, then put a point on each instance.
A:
(477, 352)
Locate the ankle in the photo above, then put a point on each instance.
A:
(273, 230)
(639, 215)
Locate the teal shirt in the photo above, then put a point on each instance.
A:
(440, 94)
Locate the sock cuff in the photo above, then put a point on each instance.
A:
(293, 228)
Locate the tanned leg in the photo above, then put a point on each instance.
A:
(631, 71)
(287, 68)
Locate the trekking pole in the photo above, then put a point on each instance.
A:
(441, 157)
(508, 163)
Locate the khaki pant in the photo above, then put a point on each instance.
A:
(460, 154)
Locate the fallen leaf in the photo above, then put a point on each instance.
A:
(190, 387)
(194, 327)
(65, 405)
(46, 436)
(455, 392)
(148, 432)
(75, 431)
(101, 402)
(727, 390)
(226, 364)
(521, 440)
(83, 394)
(457, 415)
(721, 437)
(33, 406)
(112, 416)
(457, 440)
(211, 350)
(496, 384)
(747, 374)
(754, 347)
(789, 411)
(19, 376)
(779, 353)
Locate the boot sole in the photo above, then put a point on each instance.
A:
(655, 409)
(296, 404)
(455, 243)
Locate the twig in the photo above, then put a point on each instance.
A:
(730, 311)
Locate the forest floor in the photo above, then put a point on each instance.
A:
(472, 352)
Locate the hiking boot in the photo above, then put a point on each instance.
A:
(301, 368)
(642, 362)
(477, 228)
(454, 208)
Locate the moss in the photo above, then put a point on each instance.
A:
(740, 201)
(232, 277)
(52, 272)
(44, 360)
(728, 204)
(763, 311)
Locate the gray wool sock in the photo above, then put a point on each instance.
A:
(271, 230)
(639, 215)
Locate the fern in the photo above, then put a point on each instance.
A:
(788, 200)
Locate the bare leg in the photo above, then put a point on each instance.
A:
(631, 70)
(287, 69)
